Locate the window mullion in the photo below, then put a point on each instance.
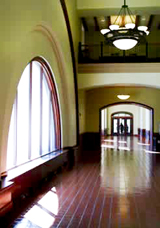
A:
(30, 112)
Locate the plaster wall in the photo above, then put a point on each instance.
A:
(100, 97)
(30, 29)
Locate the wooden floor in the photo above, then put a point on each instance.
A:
(118, 186)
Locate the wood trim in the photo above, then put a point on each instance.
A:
(54, 98)
(64, 8)
(118, 68)
(127, 102)
(41, 108)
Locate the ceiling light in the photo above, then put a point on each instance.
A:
(123, 97)
(123, 33)
(114, 27)
(125, 44)
(142, 28)
(130, 25)
(104, 31)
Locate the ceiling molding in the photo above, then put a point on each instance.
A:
(119, 68)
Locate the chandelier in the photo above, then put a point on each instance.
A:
(123, 33)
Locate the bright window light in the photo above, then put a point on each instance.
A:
(35, 145)
(33, 123)
(23, 117)
(39, 217)
(45, 117)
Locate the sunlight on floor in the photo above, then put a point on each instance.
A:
(143, 144)
(124, 148)
(151, 152)
(107, 146)
(50, 202)
(43, 214)
(125, 142)
(39, 217)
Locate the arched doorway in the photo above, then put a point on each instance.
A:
(122, 123)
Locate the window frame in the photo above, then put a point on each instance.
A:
(46, 72)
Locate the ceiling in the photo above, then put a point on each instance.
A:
(96, 23)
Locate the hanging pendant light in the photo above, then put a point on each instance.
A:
(123, 33)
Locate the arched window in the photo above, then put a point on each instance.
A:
(35, 120)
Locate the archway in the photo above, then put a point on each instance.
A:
(140, 121)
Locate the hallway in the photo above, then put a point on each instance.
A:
(118, 186)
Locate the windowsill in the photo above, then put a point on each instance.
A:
(17, 171)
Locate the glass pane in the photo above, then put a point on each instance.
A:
(52, 131)
(23, 117)
(45, 116)
(121, 126)
(35, 127)
(128, 126)
(115, 125)
(11, 142)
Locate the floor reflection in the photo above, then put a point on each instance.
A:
(125, 168)
(118, 186)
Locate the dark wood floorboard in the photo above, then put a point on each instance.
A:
(118, 186)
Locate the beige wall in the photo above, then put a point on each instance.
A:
(29, 29)
(94, 75)
(97, 98)
(94, 4)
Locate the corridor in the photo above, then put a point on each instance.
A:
(118, 186)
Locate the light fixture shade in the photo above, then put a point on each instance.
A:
(114, 27)
(130, 26)
(125, 44)
(104, 31)
(142, 28)
(124, 33)
(123, 97)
